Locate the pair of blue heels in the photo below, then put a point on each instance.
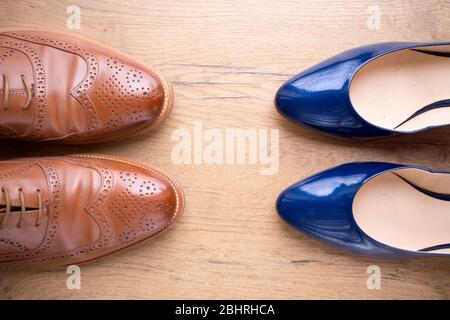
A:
(376, 209)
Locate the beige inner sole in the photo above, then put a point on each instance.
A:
(391, 211)
(390, 89)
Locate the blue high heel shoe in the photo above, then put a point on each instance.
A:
(376, 209)
(372, 91)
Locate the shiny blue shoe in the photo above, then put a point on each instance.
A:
(373, 91)
(376, 209)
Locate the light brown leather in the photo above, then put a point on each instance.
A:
(92, 206)
(81, 92)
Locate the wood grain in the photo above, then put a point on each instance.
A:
(226, 60)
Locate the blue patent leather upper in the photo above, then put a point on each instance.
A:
(321, 206)
(319, 96)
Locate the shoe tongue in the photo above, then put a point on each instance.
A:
(13, 64)
(28, 236)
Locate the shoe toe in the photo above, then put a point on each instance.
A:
(133, 95)
(318, 99)
(146, 202)
(318, 207)
(299, 101)
(298, 208)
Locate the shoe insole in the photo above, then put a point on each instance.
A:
(408, 209)
(407, 90)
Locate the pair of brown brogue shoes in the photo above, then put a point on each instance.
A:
(73, 209)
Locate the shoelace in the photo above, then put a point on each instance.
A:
(7, 211)
(28, 90)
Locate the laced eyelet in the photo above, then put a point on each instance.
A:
(29, 93)
(41, 210)
(28, 90)
(7, 210)
(5, 92)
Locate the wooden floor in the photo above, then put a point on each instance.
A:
(226, 60)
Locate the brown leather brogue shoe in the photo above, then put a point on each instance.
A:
(61, 88)
(74, 209)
